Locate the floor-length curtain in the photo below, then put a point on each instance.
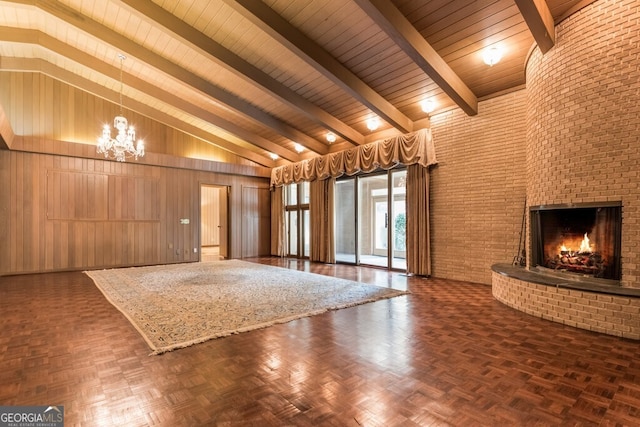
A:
(418, 246)
(278, 232)
(321, 205)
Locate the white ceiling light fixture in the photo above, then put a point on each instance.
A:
(299, 148)
(373, 123)
(273, 156)
(492, 55)
(331, 137)
(122, 146)
(428, 105)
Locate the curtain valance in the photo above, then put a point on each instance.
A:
(410, 149)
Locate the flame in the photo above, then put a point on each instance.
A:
(584, 245)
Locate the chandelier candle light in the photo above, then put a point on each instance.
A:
(120, 147)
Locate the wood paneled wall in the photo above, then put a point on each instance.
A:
(256, 221)
(63, 207)
(65, 213)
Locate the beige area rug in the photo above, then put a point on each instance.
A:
(178, 305)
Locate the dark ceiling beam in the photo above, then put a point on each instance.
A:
(41, 66)
(538, 17)
(155, 15)
(293, 39)
(404, 34)
(167, 67)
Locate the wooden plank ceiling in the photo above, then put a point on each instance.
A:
(259, 76)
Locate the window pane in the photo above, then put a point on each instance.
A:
(304, 193)
(292, 194)
(292, 228)
(306, 234)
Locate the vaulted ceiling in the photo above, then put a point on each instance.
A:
(255, 77)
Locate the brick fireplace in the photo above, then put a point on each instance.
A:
(583, 149)
(583, 140)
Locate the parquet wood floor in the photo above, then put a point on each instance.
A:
(448, 354)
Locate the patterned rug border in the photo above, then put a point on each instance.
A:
(97, 276)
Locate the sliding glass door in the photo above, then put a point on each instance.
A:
(370, 220)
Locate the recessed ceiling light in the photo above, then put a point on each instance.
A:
(428, 105)
(273, 156)
(492, 55)
(299, 148)
(331, 137)
(373, 123)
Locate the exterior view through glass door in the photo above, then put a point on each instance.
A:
(371, 220)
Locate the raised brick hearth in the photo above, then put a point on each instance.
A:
(562, 302)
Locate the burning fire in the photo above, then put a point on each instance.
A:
(585, 246)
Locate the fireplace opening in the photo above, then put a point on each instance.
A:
(580, 240)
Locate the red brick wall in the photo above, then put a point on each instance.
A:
(583, 118)
(478, 188)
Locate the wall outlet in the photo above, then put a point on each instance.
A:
(195, 250)
(184, 221)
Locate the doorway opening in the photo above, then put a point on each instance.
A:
(214, 222)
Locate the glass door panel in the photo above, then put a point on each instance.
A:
(345, 220)
(380, 227)
(373, 220)
(398, 227)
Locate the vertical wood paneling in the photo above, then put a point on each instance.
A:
(18, 229)
(54, 112)
(48, 227)
(256, 225)
(5, 209)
